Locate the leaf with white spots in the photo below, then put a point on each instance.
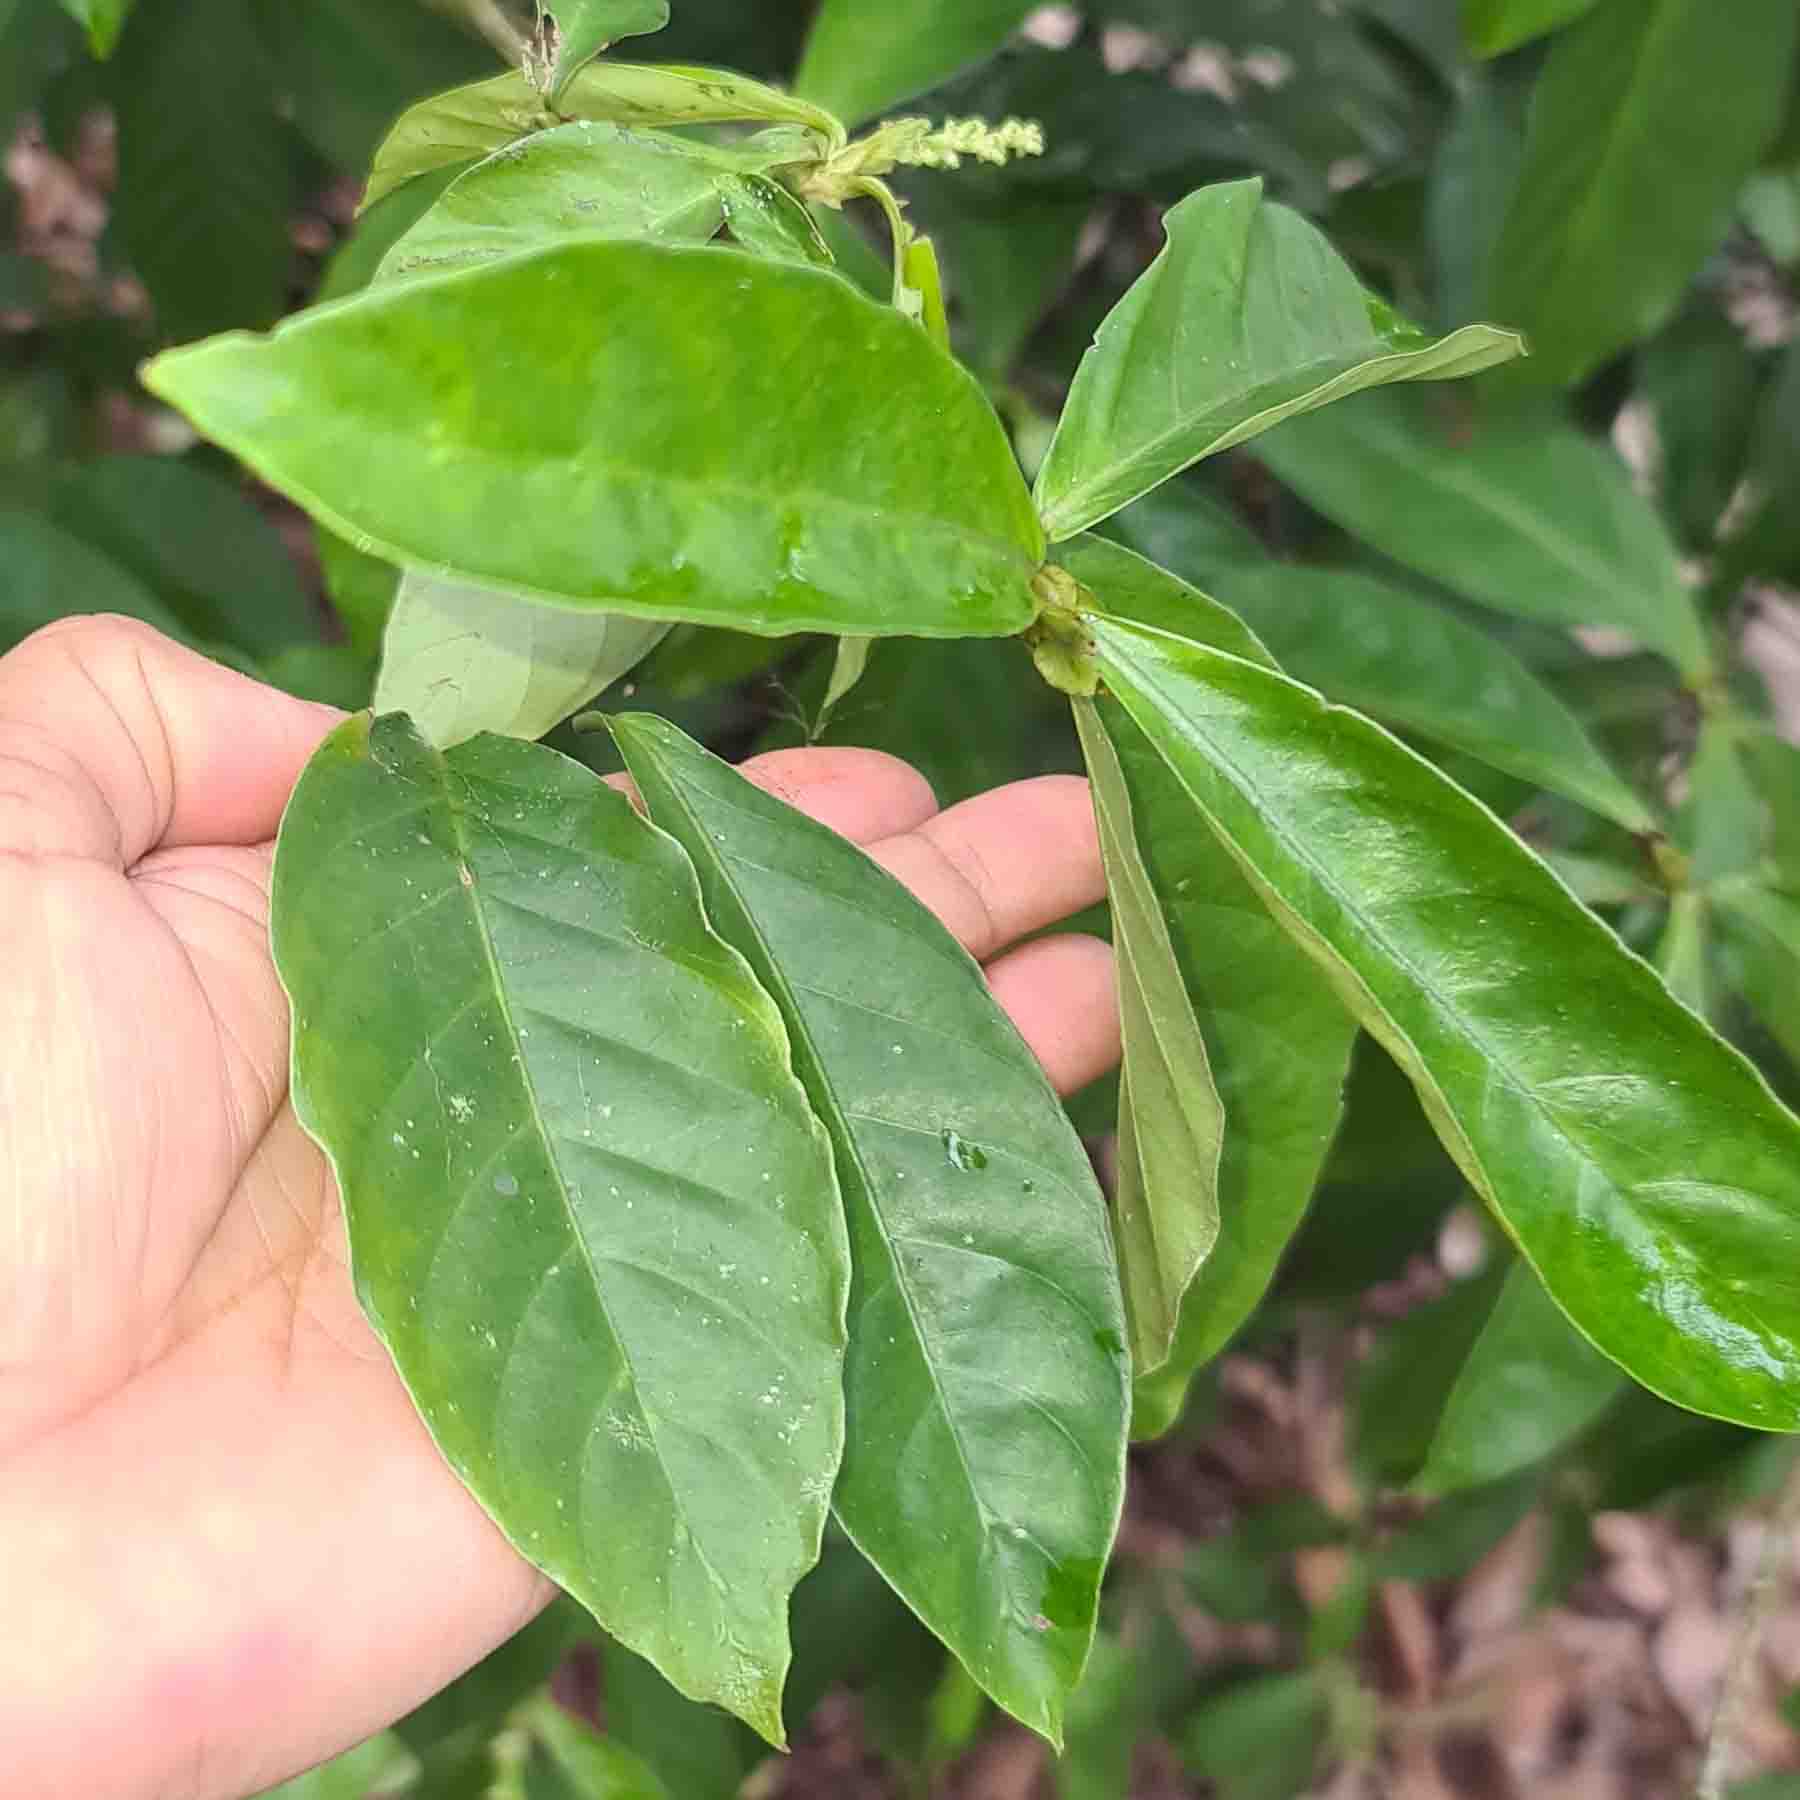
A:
(591, 1212)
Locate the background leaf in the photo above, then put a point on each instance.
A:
(1247, 317)
(102, 20)
(1641, 1165)
(1519, 512)
(1493, 27)
(1646, 119)
(700, 441)
(462, 660)
(42, 567)
(588, 1299)
(983, 1471)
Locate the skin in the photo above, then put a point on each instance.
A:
(230, 1549)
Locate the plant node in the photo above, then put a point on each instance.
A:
(1058, 638)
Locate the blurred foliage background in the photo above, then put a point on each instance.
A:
(1293, 1610)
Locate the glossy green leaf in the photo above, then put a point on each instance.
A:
(1246, 317)
(987, 1366)
(590, 1212)
(205, 190)
(1278, 1041)
(862, 59)
(1492, 27)
(1521, 513)
(102, 20)
(1416, 664)
(586, 27)
(1762, 925)
(1647, 118)
(46, 574)
(1171, 1122)
(764, 217)
(1641, 1165)
(197, 540)
(469, 123)
(463, 660)
(701, 438)
(599, 180)
(1530, 1385)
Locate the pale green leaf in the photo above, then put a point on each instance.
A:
(599, 180)
(1519, 512)
(1171, 1122)
(463, 660)
(102, 20)
(1640, 1164)
(591, 1214)
(1247, 317)
(1529, 1386)
(586, 27)
(701, 438)
(986, 1377)
(849, 662)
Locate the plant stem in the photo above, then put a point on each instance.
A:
(487, 17)
(1740, 1671)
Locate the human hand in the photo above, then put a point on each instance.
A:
(230, 1548)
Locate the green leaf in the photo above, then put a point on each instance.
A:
(1246, 317)
(1641, 1165)
(586, 27)
(861, 59)
(1453, 1535)
(1530, 1385)
(1681, 953)
(1277, 1041)
(849, 662)
(463, 660)
(1647, 118)
(1108, 1714)
(102, 20)
(469, 123)
(380, 1765)
(48, 574)
(206, 168)
(765, 218)
(1416, 664)
(987, 1366)
(1762, 927)
(196, 540)
(702, 438)
(1721, 823)
(1521, 513)
(593, 180)
(1260, 1739)
(1492, 27)
(696, 1752)
(1171, 1122)
(624, 1333)
(569, 1760)
(1470, 185)
(361, 588)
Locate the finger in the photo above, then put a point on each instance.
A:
(1062, 996)
(1004, 864)
(863, 795)
(113, 740)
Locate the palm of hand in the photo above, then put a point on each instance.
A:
(240, 1533)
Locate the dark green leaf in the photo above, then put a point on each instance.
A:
(1721, 824)
(1416, 664)
(1469, 188)
(102, 20)
(206, 170)
(1185, 529)
(1277, 1040)
(1492, 27)
(469, 123)
(1646, 119)
(861, 59)
(1640, 1164)
(463, 660)
(197, 541)
(1775, 769)
(45, 574)
(1762, 925)
(1769, 540)
(1530, 1385)
(378, 229)
(1450, 1537)
(381, 1765)
(596, 180)
(1247, 317)
(624, 1332)
(702, 439)
(1520, 513)
(1171, 1123)
(334, 673)
(569, 1760)
(586, 27)
(1260, 1739)
(1108, 1713)
(697, 1752)
(987, 1367)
